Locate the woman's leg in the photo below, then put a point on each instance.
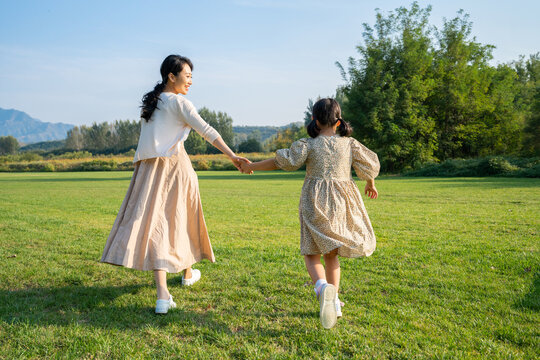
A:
(161, 283)
(314, 267)
(331, 264)
(187, 273)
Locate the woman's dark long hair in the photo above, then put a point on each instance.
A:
(172, 64)
(328, 113)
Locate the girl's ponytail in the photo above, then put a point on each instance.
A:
(150, 101)
(344, 129)
(312, 129)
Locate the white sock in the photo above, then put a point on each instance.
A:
(318, 285)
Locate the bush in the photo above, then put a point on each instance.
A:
(30, 156)
(533, 172)
(96, 165)
(74, 155)
(28, 167)
(125, 166)
(496, 166)
(202, 165)
(488, 166)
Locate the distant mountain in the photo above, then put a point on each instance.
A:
(28, 130)
(265, 132)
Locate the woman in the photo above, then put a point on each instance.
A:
(160, 225)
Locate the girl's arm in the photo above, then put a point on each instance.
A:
(268, 164)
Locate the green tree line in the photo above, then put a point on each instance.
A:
(123, 135)
(417, 93)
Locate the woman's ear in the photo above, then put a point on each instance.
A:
(172, 78)
(318, 123)
(338, 123)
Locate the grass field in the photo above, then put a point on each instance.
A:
(456, 274)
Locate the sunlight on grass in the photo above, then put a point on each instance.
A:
(456, 273)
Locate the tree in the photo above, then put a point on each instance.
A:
(8, 145)
(384, 99)
(528, 102)
(473, 101)
(125, 134)
(223, 125)
(97, 137)
(195, 144)
(413, 97)
(308, 113)
(74, 140)
(284, 138)
(251, 145)
(532, 128)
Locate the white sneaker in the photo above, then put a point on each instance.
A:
(327, 300)
(195, 276)
(162, 306)
(339, 305)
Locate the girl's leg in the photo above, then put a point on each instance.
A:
(333, 271)
(314, 267)
(160, 276)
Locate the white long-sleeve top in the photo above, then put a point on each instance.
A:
(169, 127)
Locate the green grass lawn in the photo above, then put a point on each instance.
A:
(456, 274)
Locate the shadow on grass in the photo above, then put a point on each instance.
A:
(67, 179)
(94, 306)
(531, 300)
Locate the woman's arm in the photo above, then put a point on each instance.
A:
(237, 160)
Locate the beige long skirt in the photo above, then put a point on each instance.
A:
(160, 225)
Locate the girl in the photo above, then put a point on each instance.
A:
(333, 218)
(160, 225)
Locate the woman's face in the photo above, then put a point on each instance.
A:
(181, 82)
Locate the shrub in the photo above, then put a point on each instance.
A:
(496, 166)
(488, 166)
(202, 165)
(30, 156)
(96, 165)
(74, 155)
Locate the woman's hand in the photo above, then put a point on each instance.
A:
(370, 190)
(240, 163)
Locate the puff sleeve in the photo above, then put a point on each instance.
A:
(293, 158)
(364, 161)
(195, 121)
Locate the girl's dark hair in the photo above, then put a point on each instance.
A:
(172, 64)
(328, 112)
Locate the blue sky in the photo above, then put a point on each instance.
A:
(260, 61)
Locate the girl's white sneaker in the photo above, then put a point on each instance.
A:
(327, 300)
(162, 306)
(195, 276)
(339, 305)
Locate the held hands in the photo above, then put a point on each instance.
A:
(246, 167)
(370, 190)
(242, 164)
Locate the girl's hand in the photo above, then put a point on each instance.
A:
(371, 191)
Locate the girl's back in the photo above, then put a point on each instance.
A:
(330, 158)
